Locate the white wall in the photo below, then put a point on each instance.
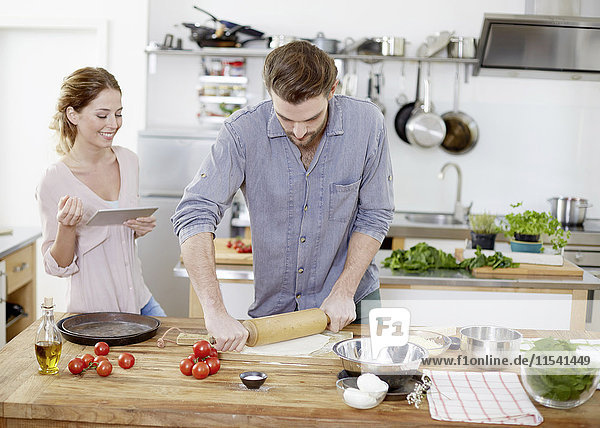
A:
(538, 137)
(40, 43)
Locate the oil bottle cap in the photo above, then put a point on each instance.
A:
(48, 302)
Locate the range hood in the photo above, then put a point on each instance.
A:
(539, 46)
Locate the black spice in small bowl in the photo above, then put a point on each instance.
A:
(253, 380)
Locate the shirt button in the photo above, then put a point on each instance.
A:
(303, 239)
(298, 295)
(300, 270)
(389, 177)
(203, 175)
(305, 207)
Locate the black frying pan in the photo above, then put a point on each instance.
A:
(405, 112)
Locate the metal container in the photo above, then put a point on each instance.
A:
(385, 45)
(328, 45)
(280, 40)
(462, 47)
(490, 347)
(396, 367)
(569, 210)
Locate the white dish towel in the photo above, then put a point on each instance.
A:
(480, 397)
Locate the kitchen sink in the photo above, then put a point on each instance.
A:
(431, 218)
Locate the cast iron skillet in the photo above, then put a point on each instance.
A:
(405, 112)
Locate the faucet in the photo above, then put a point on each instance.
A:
(460, 211)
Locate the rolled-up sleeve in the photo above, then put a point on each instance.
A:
(211, 192)
(376, 196)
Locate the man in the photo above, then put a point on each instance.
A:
(316, 174)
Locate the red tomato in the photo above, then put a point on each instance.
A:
(192, 358)
(213, 364)
(202, 349)
(200, 370)
(186, 366)
(100, 358)
(101, 348)
(76, 365)
(213, 352)
(229, 244)
(88, 359)
(126, 360)
(104, 368)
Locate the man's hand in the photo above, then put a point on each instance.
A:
(229, 333)
(340, 309)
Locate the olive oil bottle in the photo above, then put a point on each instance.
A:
(48, 341)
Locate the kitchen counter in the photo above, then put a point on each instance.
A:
(19, 238)
(298, 392)
(588, 234)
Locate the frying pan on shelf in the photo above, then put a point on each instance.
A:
(462, 132)
(406, 110)
(424, 127)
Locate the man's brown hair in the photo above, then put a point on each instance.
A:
(298, 71)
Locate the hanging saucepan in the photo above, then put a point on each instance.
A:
(425, 128)
(405, 111)
(462, 131)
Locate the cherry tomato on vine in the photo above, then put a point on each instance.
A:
(104, 368)
(200, 370)
(76, 365)
(192, 357)
(185, 366)
(100, 358)
(87, 359)
(101, 348)
(213, 364)
(202, 349)
(126, 360)
(213, 352)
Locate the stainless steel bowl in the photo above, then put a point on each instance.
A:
(569, 211)
(396, 367)
(490, 347)
(462, 47)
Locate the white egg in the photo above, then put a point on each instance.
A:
(369, 382)
(359, 399)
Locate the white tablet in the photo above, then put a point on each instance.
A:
(119, 215)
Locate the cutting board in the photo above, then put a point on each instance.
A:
(568, 269)
(324, 352)
(229, 256)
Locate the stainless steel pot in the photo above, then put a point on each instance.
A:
(569, 210)
(325, 44)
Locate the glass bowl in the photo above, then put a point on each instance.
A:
(348, 391)
(560, 389)
(434, 343)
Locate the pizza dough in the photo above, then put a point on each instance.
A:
(300, 346)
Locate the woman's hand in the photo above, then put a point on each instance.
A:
(141, 225)
(70, 211)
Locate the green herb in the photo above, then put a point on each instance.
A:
(483, 223)
(568, 385)
(535, 223)
(423, 257)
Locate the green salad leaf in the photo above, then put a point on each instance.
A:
(423, 257)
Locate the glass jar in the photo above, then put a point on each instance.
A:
(48, 341)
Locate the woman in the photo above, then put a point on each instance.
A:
(100, 262)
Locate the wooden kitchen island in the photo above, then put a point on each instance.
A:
(298, 391)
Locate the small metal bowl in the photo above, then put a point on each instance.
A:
(490, 347)
(437, 343)
(253, 380)
(398, 366)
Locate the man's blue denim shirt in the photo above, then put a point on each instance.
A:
(301, 220)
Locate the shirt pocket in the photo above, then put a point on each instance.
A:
(342, 201)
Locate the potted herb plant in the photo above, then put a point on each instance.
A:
(483, 230)
(524, 230)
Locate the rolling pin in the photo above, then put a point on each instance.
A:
(291, 325)
(273, 328)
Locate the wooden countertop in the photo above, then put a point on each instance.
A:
(154, 392)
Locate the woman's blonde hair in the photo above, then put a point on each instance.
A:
(78, 90)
